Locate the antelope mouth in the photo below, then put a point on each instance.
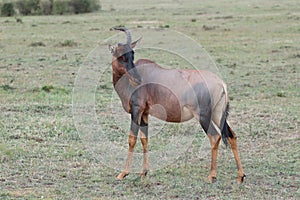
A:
(134, 81)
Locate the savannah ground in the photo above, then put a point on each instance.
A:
(256, 46)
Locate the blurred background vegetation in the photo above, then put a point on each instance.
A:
(48, 7)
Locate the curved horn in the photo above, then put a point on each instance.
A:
(124, 30)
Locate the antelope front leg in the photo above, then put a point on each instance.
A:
(144, 140)
(131, 141)
(214, 141)
(134, 129)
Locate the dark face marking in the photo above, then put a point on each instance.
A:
(127, 59)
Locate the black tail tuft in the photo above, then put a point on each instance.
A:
(225, 132)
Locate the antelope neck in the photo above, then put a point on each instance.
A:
(118, 71)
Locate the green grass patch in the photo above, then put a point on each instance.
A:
(68, 43)
(7, 87)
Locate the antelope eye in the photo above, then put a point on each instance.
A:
(122, 58)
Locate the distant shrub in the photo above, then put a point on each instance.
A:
(79, 6)
(28, 7)
(75, 6)
(60, 7)
(7, 9)
(46, 7)
(94, 5)
(84, 6)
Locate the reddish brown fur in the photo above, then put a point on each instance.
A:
(157, 89)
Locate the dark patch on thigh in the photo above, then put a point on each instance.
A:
(204, 107)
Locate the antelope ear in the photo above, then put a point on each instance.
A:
(133, 44)
(111, 48)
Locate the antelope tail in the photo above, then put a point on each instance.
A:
(226, 130)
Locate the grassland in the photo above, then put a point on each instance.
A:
(256, 45)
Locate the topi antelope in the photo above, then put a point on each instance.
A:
(171, 95)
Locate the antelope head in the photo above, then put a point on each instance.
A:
(123, 58)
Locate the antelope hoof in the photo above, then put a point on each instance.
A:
(241, 179)
(211, 179)
(144, 173)
(122, 175)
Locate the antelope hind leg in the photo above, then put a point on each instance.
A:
(214, 141)
(145, 168)
(233, 144)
